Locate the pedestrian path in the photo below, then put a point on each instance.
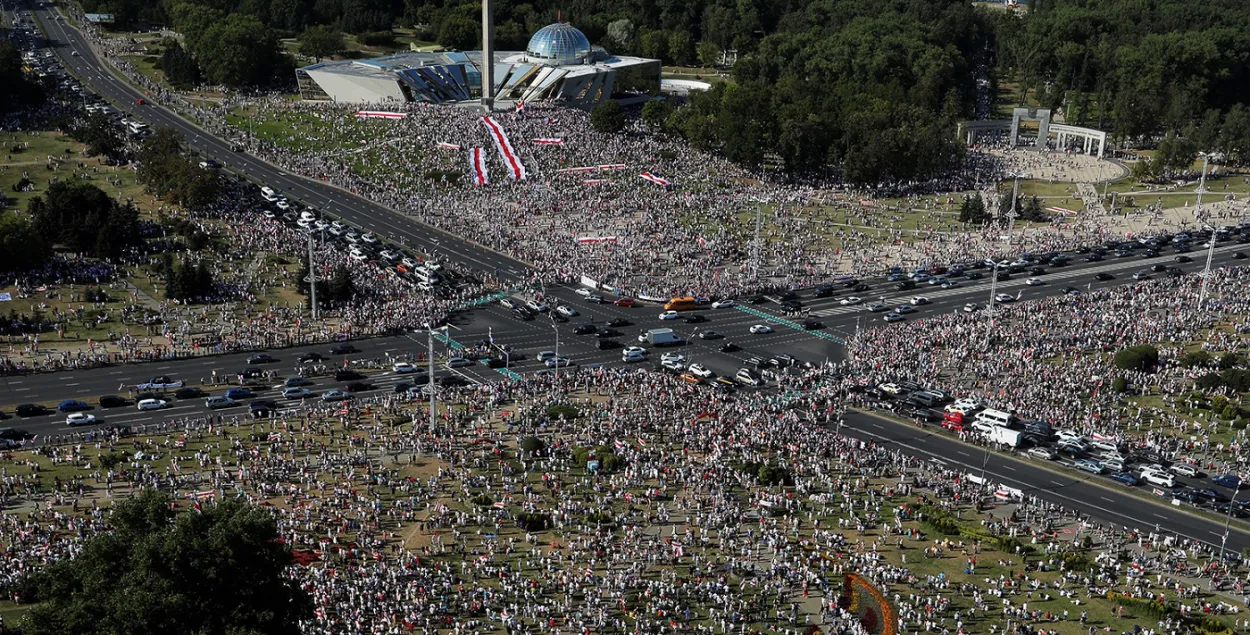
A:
(442, 337)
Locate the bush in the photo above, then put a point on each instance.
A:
(771, 475)
(1197, 358)
(563, 411)
(533, 446)
(1231, 360)
(1138, 358)
(1120, 385)
(450, 176)
(110, 460)
(600, 518)
(533, 521)
(482, 500)
(377, 38)
(944, 525)
(1074, 561)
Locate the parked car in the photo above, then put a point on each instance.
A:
(1089, 465)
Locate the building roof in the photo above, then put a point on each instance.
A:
(559, 43)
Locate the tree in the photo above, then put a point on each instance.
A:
(681, 47)
(1138, 358)
(972, 210)
(654, 44)
(19, 92)
(84, 219)
(656, 112)
(161, 571)
(22, 246)
(1032, 211)
(319, 42)
(458, 33)
(621, 35)
(160, 158)
(101, 136)
(607, 116)
(178, 65)
(341, 288)
(237, 51)
(709, 53)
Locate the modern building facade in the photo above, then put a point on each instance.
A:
(559, 64)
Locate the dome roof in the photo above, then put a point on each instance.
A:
(559, 43)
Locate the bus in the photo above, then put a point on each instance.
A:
(679, 304)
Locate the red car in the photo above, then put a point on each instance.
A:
(139, 101)
(624, 302)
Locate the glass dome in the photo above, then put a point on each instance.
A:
(559, 44)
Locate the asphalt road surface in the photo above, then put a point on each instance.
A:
(64, 39)
(1101, 499)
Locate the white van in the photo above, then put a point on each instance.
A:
(999, 418)
(268, 194)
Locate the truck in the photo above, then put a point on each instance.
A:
(1006, 436)
(661, 337)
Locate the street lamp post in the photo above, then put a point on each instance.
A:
(1206, 271)
(312, 277)
(556, 361)
(989, 308)
(1228, 519)
(429, 331)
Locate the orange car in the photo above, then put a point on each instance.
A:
(690, 379)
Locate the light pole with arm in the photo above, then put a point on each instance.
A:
(556, 361)
(1206, 271)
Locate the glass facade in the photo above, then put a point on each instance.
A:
(559, 44)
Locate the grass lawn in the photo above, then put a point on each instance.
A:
(997, 563)
(146, 64)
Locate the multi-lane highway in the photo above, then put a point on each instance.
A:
(78, 56)
(1100, 499)
(528, 338)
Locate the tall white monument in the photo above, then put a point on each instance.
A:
(488, 57)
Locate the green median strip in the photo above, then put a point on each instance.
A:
(772, 319)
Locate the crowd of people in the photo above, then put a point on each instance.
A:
(398, 523)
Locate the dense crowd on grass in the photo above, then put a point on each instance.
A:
(642, 505)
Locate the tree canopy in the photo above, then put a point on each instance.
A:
(84, 219)
(216, 571)
(169, 172)
(20, 243)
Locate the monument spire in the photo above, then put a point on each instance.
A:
(488, 57)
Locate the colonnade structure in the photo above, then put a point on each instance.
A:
(1093, 142)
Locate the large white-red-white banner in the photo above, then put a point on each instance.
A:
(448, 146)
(655, 179)
(594, 168)
(591, 240)
(549, 142)
(379, 114)
(477, 166)
(596, 181)
(511, 161)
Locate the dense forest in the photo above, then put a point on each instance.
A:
(871, 87)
